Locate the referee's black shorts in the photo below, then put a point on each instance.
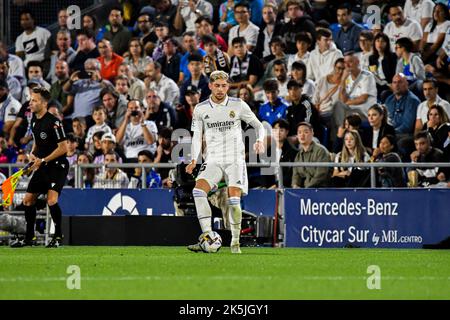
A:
(51, 176)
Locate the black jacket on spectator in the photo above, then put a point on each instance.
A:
(434, 155)
(78, 62)
(303, 111)
(389, 65)
(439, 135)
(165, 117)
(390, 177)
(259, 49)
(288, 154)
(368, 135)
(290, 30)
(171, 68)
(202, 86)
(119, 40)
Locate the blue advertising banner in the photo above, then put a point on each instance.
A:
(401, 218)
(97, 202)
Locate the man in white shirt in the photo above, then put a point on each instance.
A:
(430, 91)
(419, 10)
(166, 88)
(136, 133)
(9, 107)
(358, 91)
(111, 178)
(245, 28)
(401, 27)
(16, 67)
(322, 58)
(189, 11)
(218, 119)
(30, 45)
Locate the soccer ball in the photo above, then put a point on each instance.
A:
(210, 242)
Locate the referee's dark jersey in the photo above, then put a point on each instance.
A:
(48, 131)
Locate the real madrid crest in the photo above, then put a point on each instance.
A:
(232, 114)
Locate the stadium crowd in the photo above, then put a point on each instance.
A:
(333, 85)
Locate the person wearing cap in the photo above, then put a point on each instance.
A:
(197, 78)
(185, 112)
(159, 112)
(135, 133)
(310, 151)
(15, 87)
(9, 107)
(108, 142)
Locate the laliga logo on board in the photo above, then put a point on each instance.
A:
(125, 203)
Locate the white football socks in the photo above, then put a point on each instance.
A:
(235, 215)
(203, 209)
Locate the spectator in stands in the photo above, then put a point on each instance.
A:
(185, 112)
(410, 64)
(347, 37)
(72, 158)
(379, 127)
(88, 173)
(152, 178)
(245, 28)
(299, 73)
(197, 78)
(402, 110)
(159, 112)
(388, 177)
(137, 59)
(9, 107)
(277, 48)
(215, 58)
(122, 86)
(276, 107)
(109, 60)
(434, 33)
(171, 59)
(84, 88)
(136, 86)
(358, 92)
(99, 116)
(105, 143)
(15, 64)
(135, 133)
(366, 46)
(189, 12)
(87, 49)
(56, 90)
(426, 153)
(279, 70)
(119, 35)
(352, 122)
(97, 151)
(165, 13)
(89, 22)
(156, 49)
(300, 109)
(30, 45)
(79, 131)
(164, 154)
(430, 91)
(64, 52)
(191, 47)
(272, 28)
(323, 57)
(52, 45)
(419, 10)
(115, 105)
(303, 42)
(326, 92)
(246, 94)
(438, 125)
(353, 151)
(146, 32)
(298, 21)
(245, 67)
(310, 151)
(15, 87)
(111, 178)
(226, 15)
(35, 72)
(402, 27)
(382, 64)
(166, 88)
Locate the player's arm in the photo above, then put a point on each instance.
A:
(197, 139)
(249, 117)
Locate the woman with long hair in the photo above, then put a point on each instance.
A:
(136, 59)
(382, 63)
(438, 126)
(386, 152)
(434, 33)
(353, 151)
(379, 127)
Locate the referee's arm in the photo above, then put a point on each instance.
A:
(60, 150)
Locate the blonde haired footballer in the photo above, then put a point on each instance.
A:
(219, 120)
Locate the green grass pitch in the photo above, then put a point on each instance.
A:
(259, 273)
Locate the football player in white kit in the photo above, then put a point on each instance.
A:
(219, 120)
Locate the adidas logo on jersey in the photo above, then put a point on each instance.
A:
(206, 117)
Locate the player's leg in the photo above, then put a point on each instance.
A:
(236, 175)
(29, 202)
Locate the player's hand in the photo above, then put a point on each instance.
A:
(191, 166)
(258, 147)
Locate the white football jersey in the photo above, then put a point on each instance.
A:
(221, 126)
